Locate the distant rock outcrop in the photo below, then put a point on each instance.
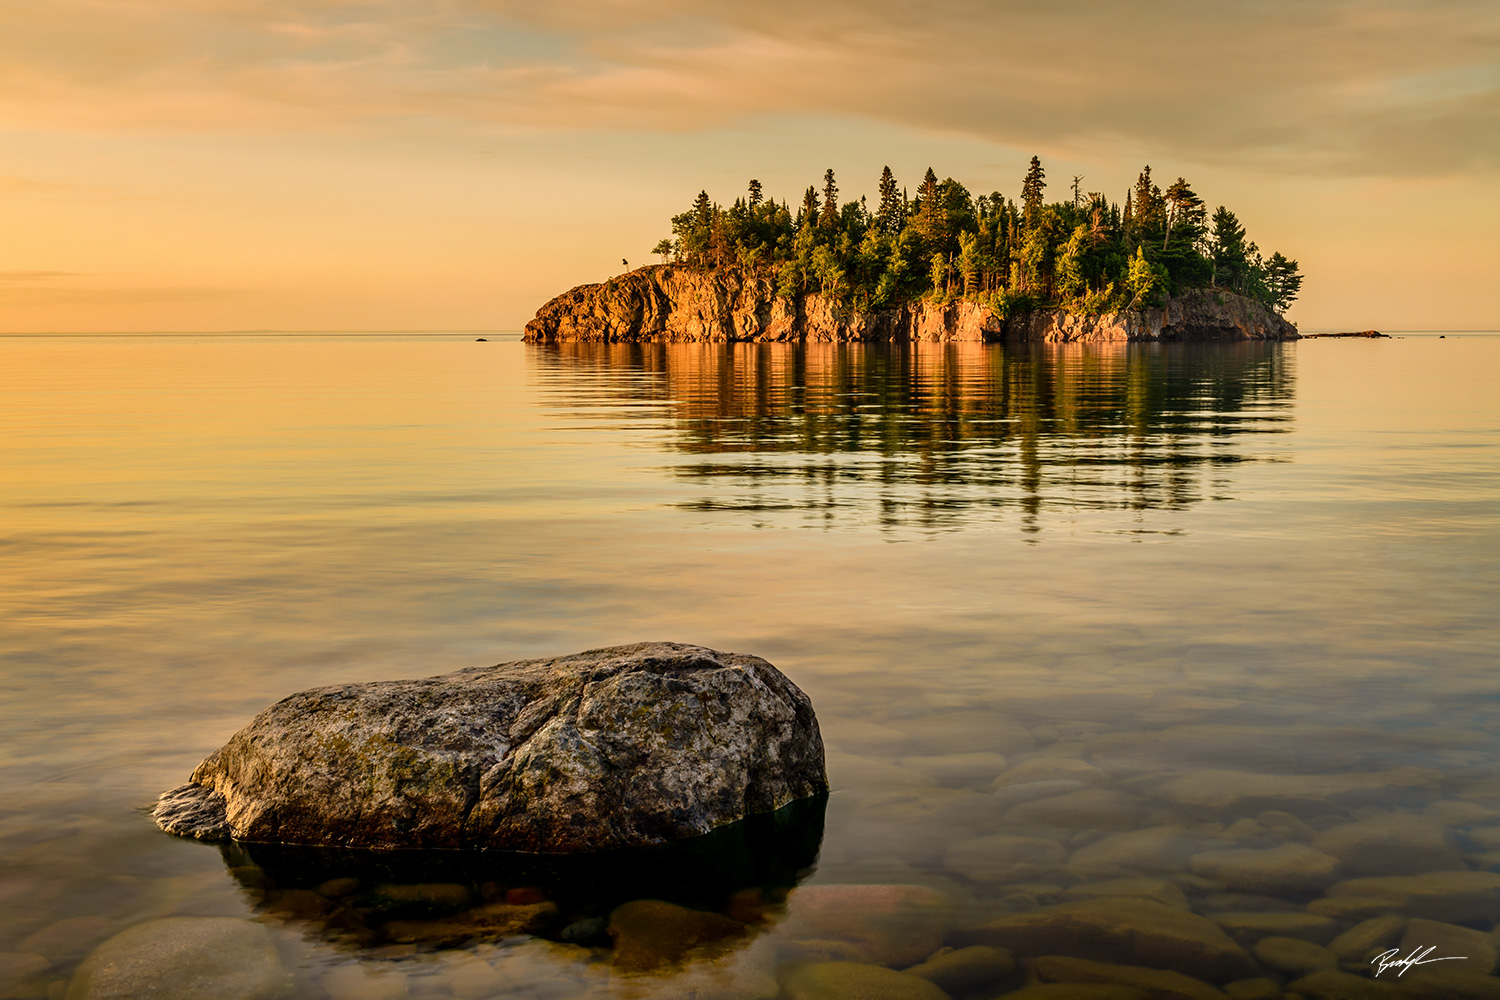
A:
(611, 748)
(666, 303)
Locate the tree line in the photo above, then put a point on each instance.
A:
(1086, 254)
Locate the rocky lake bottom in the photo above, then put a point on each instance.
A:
(1144, 672)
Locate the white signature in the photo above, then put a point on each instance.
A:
(1418, 956)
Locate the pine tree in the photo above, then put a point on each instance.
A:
(931, 223)
(1031, 192)
(830, 217)
(1149, 216)
(891, 213)
(1282, 281)
(755, 194)
(1185, 214)
(809, 214)
(968, 262)
(1231, 255)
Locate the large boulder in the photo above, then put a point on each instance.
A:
(610, 748)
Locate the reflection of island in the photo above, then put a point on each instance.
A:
(933, 436)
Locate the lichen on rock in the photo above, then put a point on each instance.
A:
(610, 748)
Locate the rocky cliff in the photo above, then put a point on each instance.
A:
(678, 304)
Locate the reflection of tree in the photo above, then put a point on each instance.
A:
(928, 435)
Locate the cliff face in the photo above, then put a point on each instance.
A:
(677, 304)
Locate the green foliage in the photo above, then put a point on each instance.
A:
(1282, 281)
(1085, 254)
(939, 263)
(1146, 281)
(1031, 191)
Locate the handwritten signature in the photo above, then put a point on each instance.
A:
(1392, 959)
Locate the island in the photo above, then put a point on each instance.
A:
(944, 265)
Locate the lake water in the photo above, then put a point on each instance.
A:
(1211, 627)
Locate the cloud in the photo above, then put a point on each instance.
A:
(35, 295)
(1378, 87)
(34, 275)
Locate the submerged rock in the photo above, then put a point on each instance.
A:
(1155, 889)
(891, 925)
(610, 748)
(1210, 792)
(650, 933)
(855, 981)
(1363, 941)
(1457, 897)
(187, 958)
(1120, 930)
(1154, 849)
(1462, 948)
(1272, 871)
(23, 974)
(1392, 844)
(1306, 926)
(1294, 956)
(1159, 984)
(488, 922)
(967, 970)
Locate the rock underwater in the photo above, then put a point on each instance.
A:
(610, 748)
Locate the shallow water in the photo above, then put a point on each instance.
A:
(1068, 616)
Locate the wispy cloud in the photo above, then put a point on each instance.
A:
(34, 275)
(1378, 87)
(54, 295)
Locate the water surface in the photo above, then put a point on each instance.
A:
(1244, 593)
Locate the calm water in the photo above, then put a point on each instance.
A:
(1068, 616)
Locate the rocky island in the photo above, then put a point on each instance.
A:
(944, 265)
(670, 304)
(610, 748)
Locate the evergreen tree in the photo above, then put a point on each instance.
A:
(931, 222)
(947, 242)
(830, 217)
(1149, 217)
(1282, 281)
(1230, 253)
(1031, 192)
(809, 214)
(891, 214)
(1185, 214)
(968, 262)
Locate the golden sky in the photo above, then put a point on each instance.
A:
(451, 164)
